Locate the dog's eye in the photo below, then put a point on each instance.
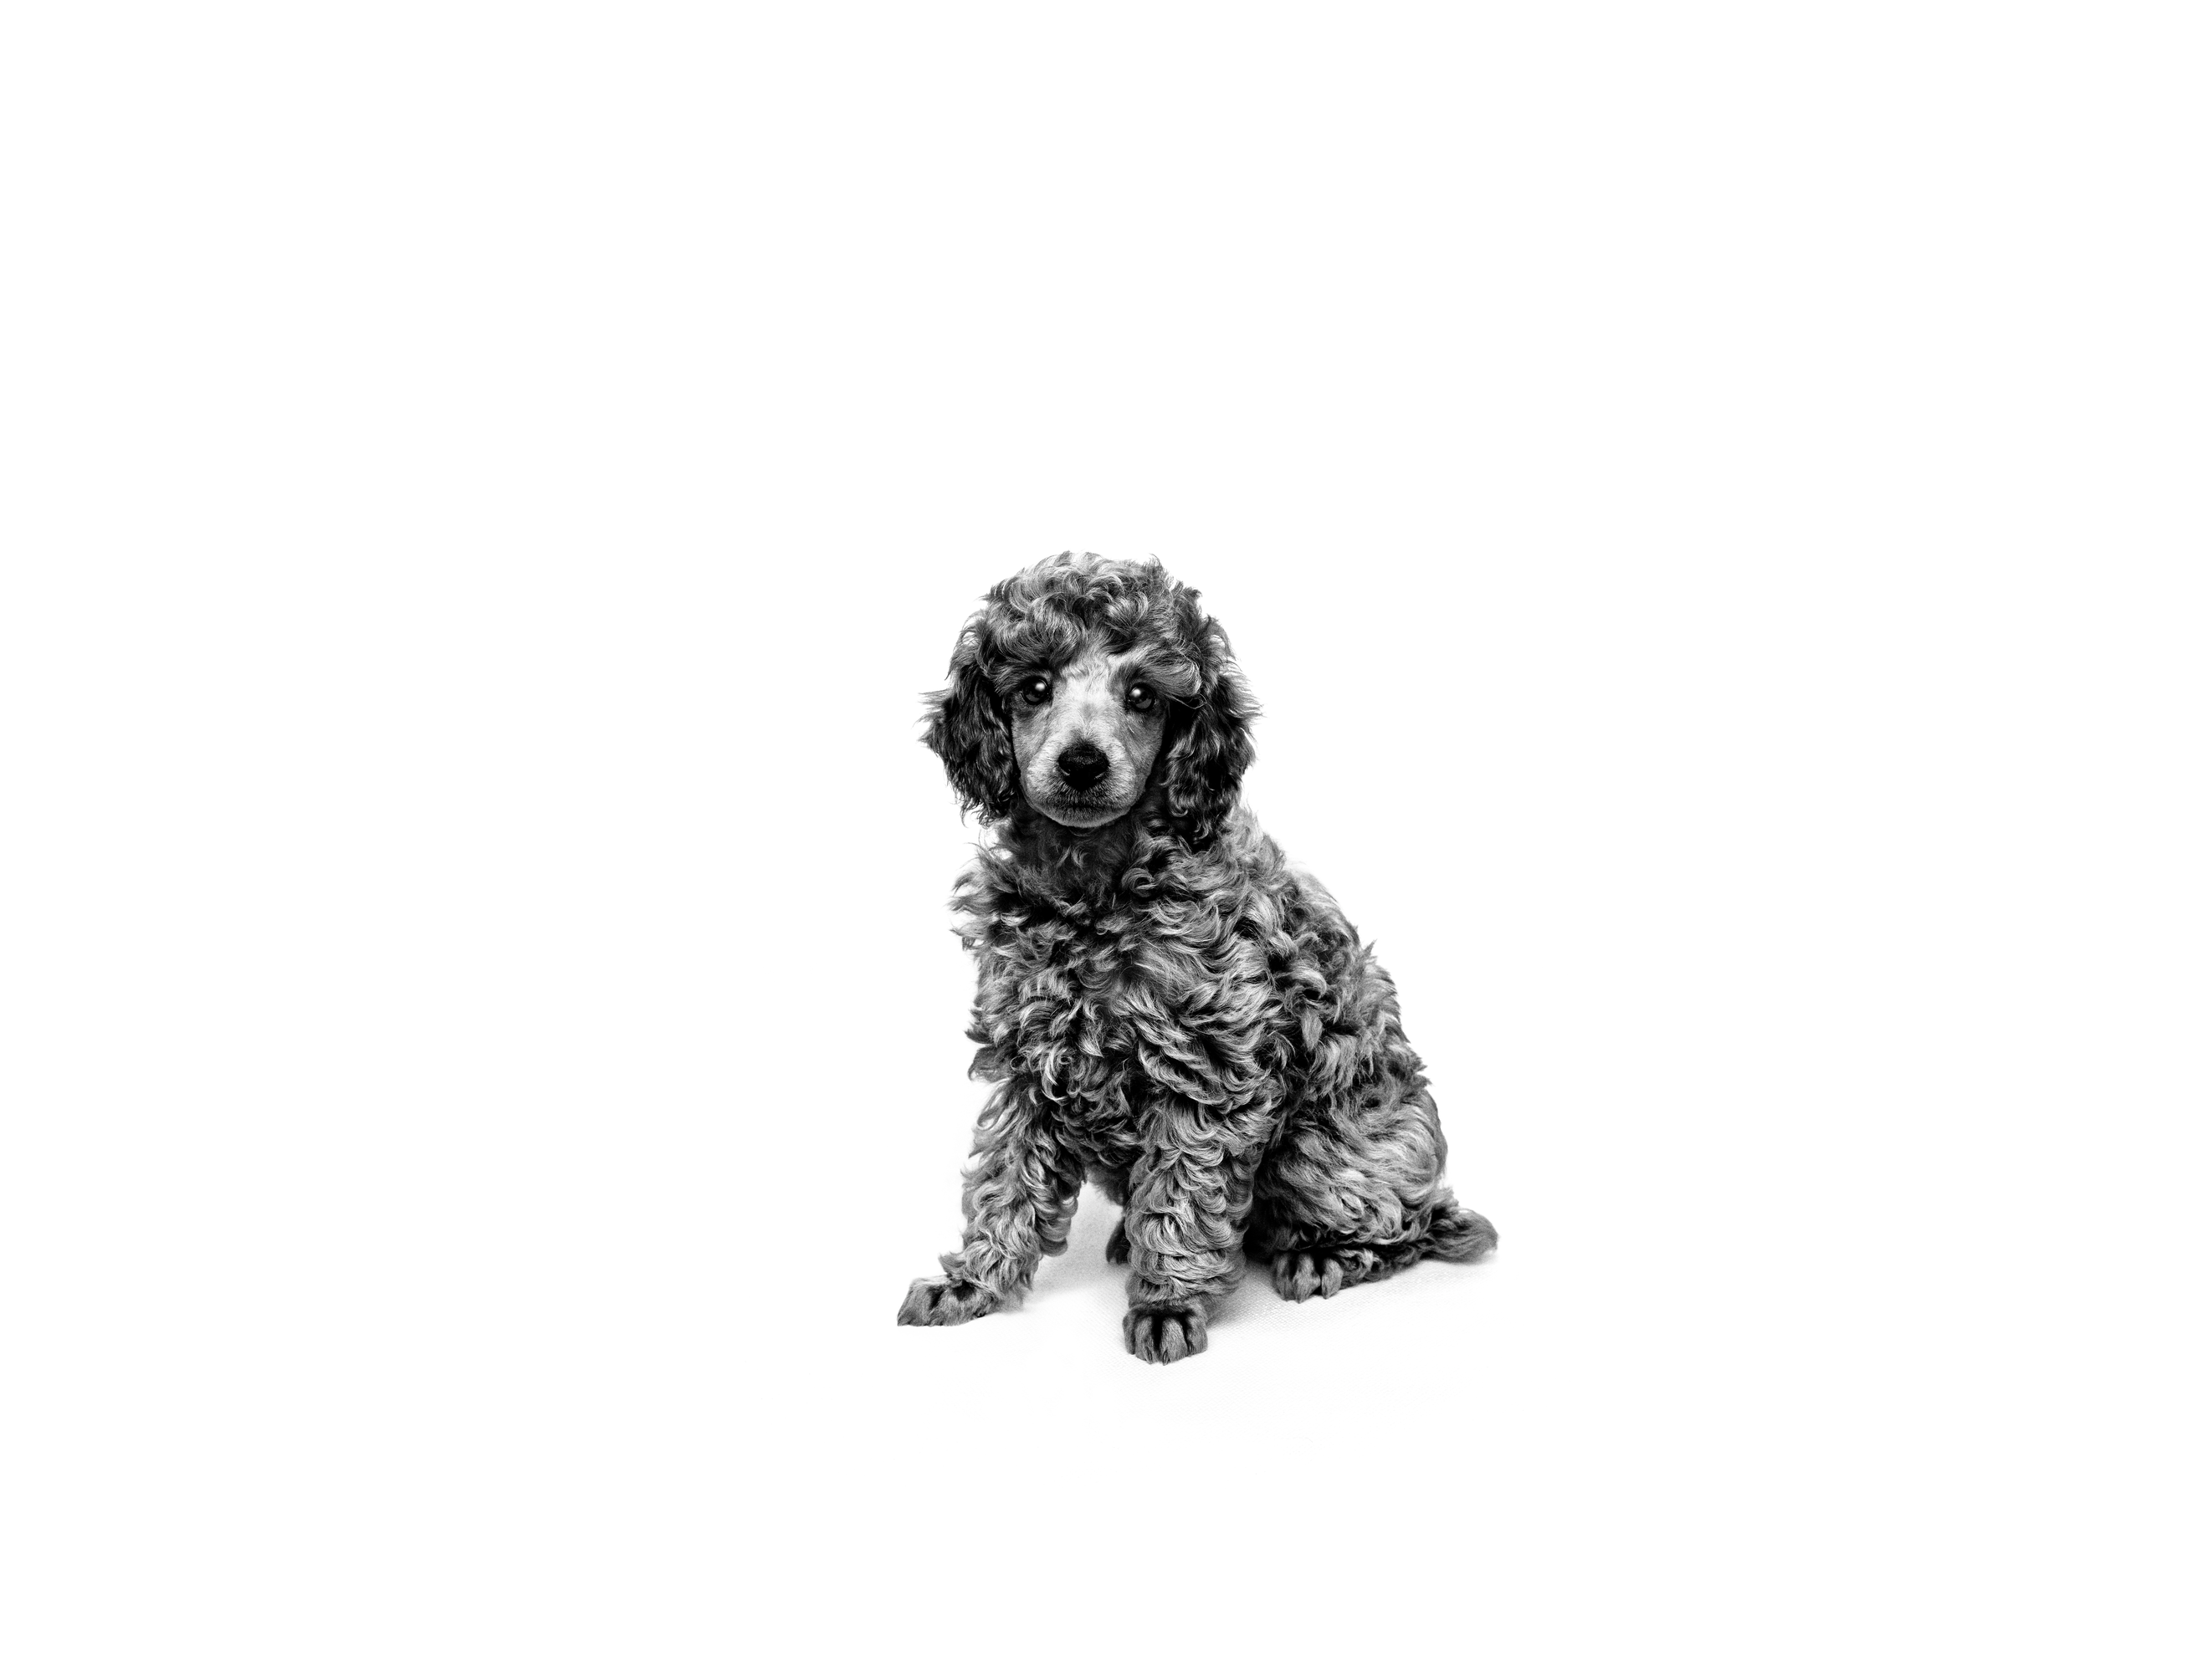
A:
(1142, 697)
(1035, 689)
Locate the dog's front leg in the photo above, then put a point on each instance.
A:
(1019, 1197)
(1189, 1197)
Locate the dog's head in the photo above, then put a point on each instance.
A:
(1082, 682)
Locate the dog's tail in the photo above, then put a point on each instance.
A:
(1456, 1233)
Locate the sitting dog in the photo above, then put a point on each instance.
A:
(1164, 1005)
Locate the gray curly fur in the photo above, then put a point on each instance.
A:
(1165, 1005)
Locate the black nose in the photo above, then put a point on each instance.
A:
(1082, 764)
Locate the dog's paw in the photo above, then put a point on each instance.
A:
(1117, 1245)
(1300, 1276)
(1162, 1333)
(940, 1301)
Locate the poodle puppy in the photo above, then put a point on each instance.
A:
(1164, 1005)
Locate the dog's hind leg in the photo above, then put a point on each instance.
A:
(1352, 1193)
(1115, 1188)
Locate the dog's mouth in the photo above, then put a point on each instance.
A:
(1089, 808)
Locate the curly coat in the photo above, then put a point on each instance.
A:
(1163, 1004)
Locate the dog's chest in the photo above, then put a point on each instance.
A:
(1065, 1004)
(1097, 1014)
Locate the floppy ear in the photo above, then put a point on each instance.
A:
(968, 730)
(1206, 758)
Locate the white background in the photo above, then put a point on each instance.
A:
(1713, 501)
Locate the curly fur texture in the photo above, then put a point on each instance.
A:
(1164, 1005)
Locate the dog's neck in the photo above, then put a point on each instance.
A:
(1082, 867)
